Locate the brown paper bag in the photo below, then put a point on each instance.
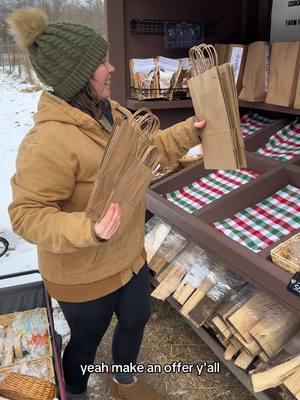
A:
(129, 191)
(236, 56)
(221, 50)
(231, 101)
(256, 72)
(284, 70)
(206, 90)
(297, 97)
(127, 166)
(214, 99)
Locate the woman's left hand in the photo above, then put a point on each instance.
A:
(199, 124)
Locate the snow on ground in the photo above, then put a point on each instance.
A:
(16, 112)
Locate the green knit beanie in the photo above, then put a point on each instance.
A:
(63, 55)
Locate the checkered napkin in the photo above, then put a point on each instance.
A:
(284, 144)
(210, 188)
(252, 122)
(262, 224)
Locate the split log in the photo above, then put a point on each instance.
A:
(243, 360)
(221, 327)
(171, 246)
(235, 302)
(208, 305)
(183, 292)
(195, 298)
(273, 332)
(263, 357)
(292, 383)
(162, 275)
(230, 352)
(251, 347)
(155, 237)
(169, 284)
(270, 377)
(246, 317)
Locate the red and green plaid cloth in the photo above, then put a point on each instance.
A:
(284, 144)
(262, 224)
(252, 122)
(210, 188)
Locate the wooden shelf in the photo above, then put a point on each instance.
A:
(171, 104)
(269, 107)
(158, 104)
(218, 350)
(252, 267)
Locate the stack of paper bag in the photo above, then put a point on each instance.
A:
(256, 73)
(284, 70)
(127, 167)
(214, 98)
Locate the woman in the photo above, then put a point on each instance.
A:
(91, 272)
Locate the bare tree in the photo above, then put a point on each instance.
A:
(88, 12)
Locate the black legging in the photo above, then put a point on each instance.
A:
(89, 321)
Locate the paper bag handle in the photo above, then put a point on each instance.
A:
(198, 60)
(145, 120)
(150, 157)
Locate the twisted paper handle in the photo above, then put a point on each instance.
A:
(150, 157)
(199, 61)
(145, 121)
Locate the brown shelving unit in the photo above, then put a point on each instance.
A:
(269, 107)
(159, 104)
(256, 268)
(187, 103)
(247, 22)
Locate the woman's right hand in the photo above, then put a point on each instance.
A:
(107, 226)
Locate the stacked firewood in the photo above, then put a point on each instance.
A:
(253, 328)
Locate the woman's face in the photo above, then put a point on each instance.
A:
(101, 79)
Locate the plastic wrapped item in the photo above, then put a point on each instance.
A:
(144, 78)
(276, 327)
(168, 72)
(169, 248)
(182, 89)
(190, 255)
(221, 283)
(32, 330)
(262, 325)
(157, 231)
(235, 301)
(26, 337)
(225, 284)
(42, 368)
(195, 261)
(198, 279)
(8, 349)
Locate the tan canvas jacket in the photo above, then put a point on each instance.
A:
(55, 171)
